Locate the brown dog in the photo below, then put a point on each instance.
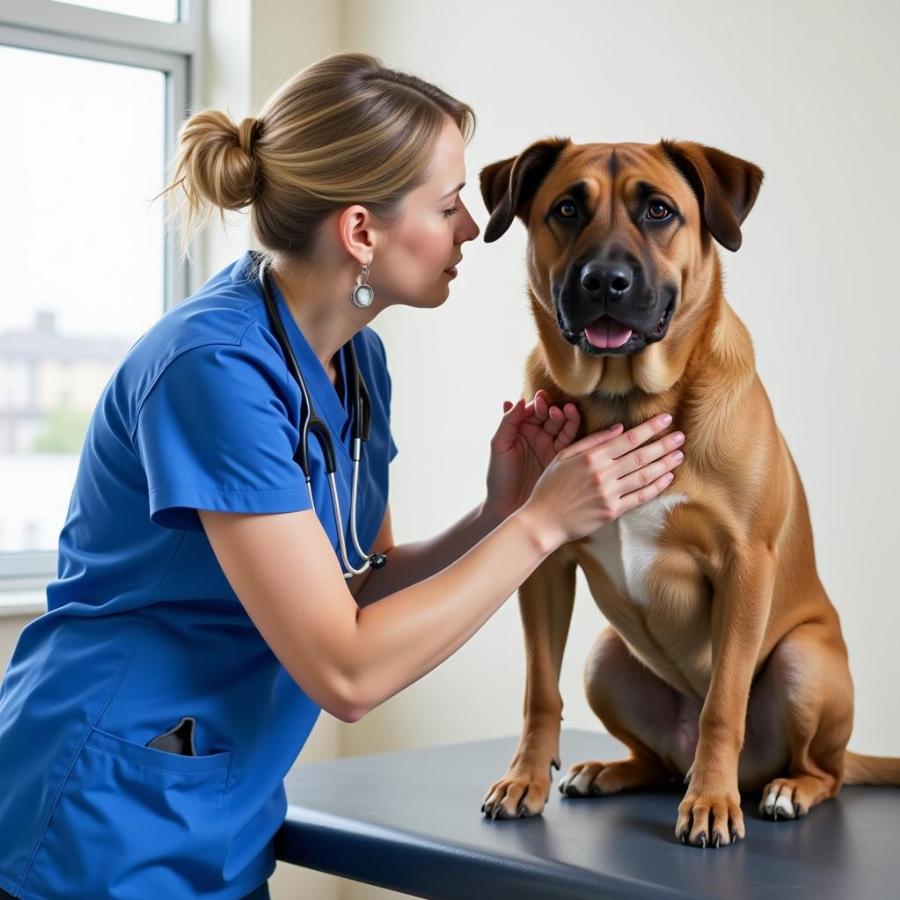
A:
(724, 662)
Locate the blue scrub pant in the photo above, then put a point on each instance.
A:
(261, 893)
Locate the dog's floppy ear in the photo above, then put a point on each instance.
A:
(509, 185)
(726, 186)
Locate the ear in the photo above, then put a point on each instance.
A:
(509, 185)
(726, 186)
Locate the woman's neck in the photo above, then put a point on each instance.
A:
(326, 317)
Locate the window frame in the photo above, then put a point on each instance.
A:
(177, 50)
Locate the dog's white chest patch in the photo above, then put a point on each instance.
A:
(627, 546)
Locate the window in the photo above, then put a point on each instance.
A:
(164, 10)
(91, 97)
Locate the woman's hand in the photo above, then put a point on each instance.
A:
(595, 480)
(529, 436)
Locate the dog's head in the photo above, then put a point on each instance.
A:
(620, 235)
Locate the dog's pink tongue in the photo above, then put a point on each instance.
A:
(607, 332)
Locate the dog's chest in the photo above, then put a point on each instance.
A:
(627, 546)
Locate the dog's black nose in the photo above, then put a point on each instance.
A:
(610, 279)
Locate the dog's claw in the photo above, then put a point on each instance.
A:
(703, 840)
(718, 841)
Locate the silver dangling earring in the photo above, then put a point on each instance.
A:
(363, 294)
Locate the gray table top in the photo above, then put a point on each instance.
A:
(412, 821)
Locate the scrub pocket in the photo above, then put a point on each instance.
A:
(135, 821)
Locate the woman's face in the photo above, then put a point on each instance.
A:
(413, 260)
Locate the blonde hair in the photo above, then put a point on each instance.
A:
(343, 130)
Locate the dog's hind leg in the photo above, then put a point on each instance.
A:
(816, 705)
(657, 723)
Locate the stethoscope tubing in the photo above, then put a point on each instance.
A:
(312, 423)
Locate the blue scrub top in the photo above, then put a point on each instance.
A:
(142, 627)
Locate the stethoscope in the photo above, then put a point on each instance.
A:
(361, 413)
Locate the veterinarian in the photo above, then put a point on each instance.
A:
(204, 610)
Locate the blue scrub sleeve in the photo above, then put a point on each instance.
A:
(214, 433)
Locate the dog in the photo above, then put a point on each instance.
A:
(723, 663)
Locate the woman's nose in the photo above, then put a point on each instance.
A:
(466, 227)
(471, 231)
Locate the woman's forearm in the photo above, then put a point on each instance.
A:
(410, 631)
(417, 560)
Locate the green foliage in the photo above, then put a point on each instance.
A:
(64, 429)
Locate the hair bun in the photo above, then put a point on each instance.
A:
(247, 132)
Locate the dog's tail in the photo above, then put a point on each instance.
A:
(861, 769)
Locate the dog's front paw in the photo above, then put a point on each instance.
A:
(523, 791)
(710, 818)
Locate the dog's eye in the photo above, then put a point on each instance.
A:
(658, 211)
(566, 209)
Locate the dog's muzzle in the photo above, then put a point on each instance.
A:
(605, 307)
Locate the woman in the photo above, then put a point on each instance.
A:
(202, 616)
